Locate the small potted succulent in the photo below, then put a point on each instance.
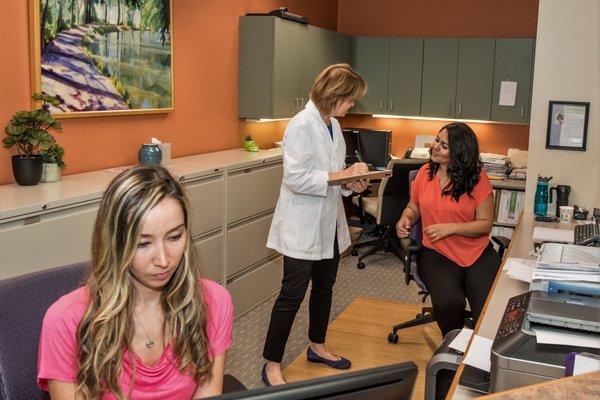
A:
(250, 144)
(53, 163)
(29, 131)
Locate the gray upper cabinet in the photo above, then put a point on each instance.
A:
(405, 76)
(474, 80)
(513, 62)
(440, 64)
(279, 60)
(371, 60)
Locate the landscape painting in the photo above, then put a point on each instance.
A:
(103, 57)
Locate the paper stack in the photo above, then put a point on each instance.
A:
(566, 267)
(495, 165)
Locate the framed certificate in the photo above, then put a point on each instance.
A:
(567, 125)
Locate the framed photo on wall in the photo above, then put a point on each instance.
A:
(102, 58)
(567, 125)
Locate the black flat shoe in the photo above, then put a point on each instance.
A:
(342, 363)
(264, 376)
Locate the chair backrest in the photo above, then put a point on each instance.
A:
(394, 191)
(416, 234)
(24, 301)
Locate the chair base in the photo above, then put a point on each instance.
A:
(426, 316)
(384, 242)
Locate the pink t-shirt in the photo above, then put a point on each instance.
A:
(438, 209)
(57, 359)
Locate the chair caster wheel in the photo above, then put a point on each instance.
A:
(360, 265)
(393, 338)
(354, 252)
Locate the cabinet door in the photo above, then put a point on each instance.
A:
(513, 62)
(405, 73)
(371, 60)
(344, 48)
(474, 82)
(210, 253)
(440, 62)
(306, 54)
(326, 41)
(285, 70)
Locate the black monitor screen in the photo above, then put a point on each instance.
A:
(351, 139)
(391, 382)
(374, 147)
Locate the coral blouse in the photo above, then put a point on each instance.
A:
(438, 209)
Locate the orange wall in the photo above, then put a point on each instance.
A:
(492, 138)
(441, 18)
(205, 92)
(472, 18)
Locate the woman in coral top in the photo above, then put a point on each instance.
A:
(145, 325)
(454, 199)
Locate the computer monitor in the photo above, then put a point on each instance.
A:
(372, 145)
(391, 382)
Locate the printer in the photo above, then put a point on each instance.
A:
(517, 359)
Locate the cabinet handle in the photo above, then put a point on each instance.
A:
(450, 108)
(380, 104)
(522, 111)
(301, 102)
(391, 105)
(295, 103)
(459, 108)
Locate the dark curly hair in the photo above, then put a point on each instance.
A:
(465, 166)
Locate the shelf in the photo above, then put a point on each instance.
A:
(511, 184)
(505, 224)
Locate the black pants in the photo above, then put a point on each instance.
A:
(296, 275)
(449, 284)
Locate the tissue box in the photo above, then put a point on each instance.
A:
(165, 148)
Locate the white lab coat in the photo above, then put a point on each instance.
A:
(309, 210)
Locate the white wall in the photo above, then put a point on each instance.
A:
(567, 67)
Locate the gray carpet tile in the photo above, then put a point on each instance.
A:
(381, 279)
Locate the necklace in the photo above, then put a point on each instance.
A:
(149, 342)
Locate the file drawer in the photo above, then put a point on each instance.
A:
(246, 244)
(48, 240)
(210, 256)
(206, 203)
(252, 288)
(253, 190)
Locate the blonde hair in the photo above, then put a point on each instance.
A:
(336, 83)
(105, 330)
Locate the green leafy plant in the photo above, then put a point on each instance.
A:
(29, 130)
(54, 154)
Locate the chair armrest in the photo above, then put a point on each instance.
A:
(502, 243)
(410, 245)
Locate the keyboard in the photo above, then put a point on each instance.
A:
(583, 232)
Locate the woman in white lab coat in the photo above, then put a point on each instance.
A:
(309, 226)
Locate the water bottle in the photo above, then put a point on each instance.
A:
(540, 206)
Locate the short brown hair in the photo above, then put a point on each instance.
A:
(336, 82)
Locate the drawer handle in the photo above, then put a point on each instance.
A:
(44, 206)
(32, 220)
(247, 170)
(181, 178)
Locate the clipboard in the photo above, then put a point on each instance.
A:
(367, 175)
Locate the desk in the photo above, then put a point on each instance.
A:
(503, 289)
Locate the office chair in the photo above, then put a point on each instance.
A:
(387, 207)
(411, 249)
(25, 300)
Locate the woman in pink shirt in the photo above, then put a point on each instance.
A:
(454, 199)
(145, 325)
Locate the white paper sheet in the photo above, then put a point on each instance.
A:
(461, 341)
(479, 355)
(584, 364)
(424, 141)
(520, 269)
(543, 234)
(508, 93)
(566, 338)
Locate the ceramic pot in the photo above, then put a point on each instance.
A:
(51, 172)
(150, 154)
(27, 170)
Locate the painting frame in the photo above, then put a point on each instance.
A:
(567, 125)
(35, 50)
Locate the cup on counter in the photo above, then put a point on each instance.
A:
(566, 214)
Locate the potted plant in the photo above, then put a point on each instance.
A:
(53, 163)
(250, 144)
(29, 131)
